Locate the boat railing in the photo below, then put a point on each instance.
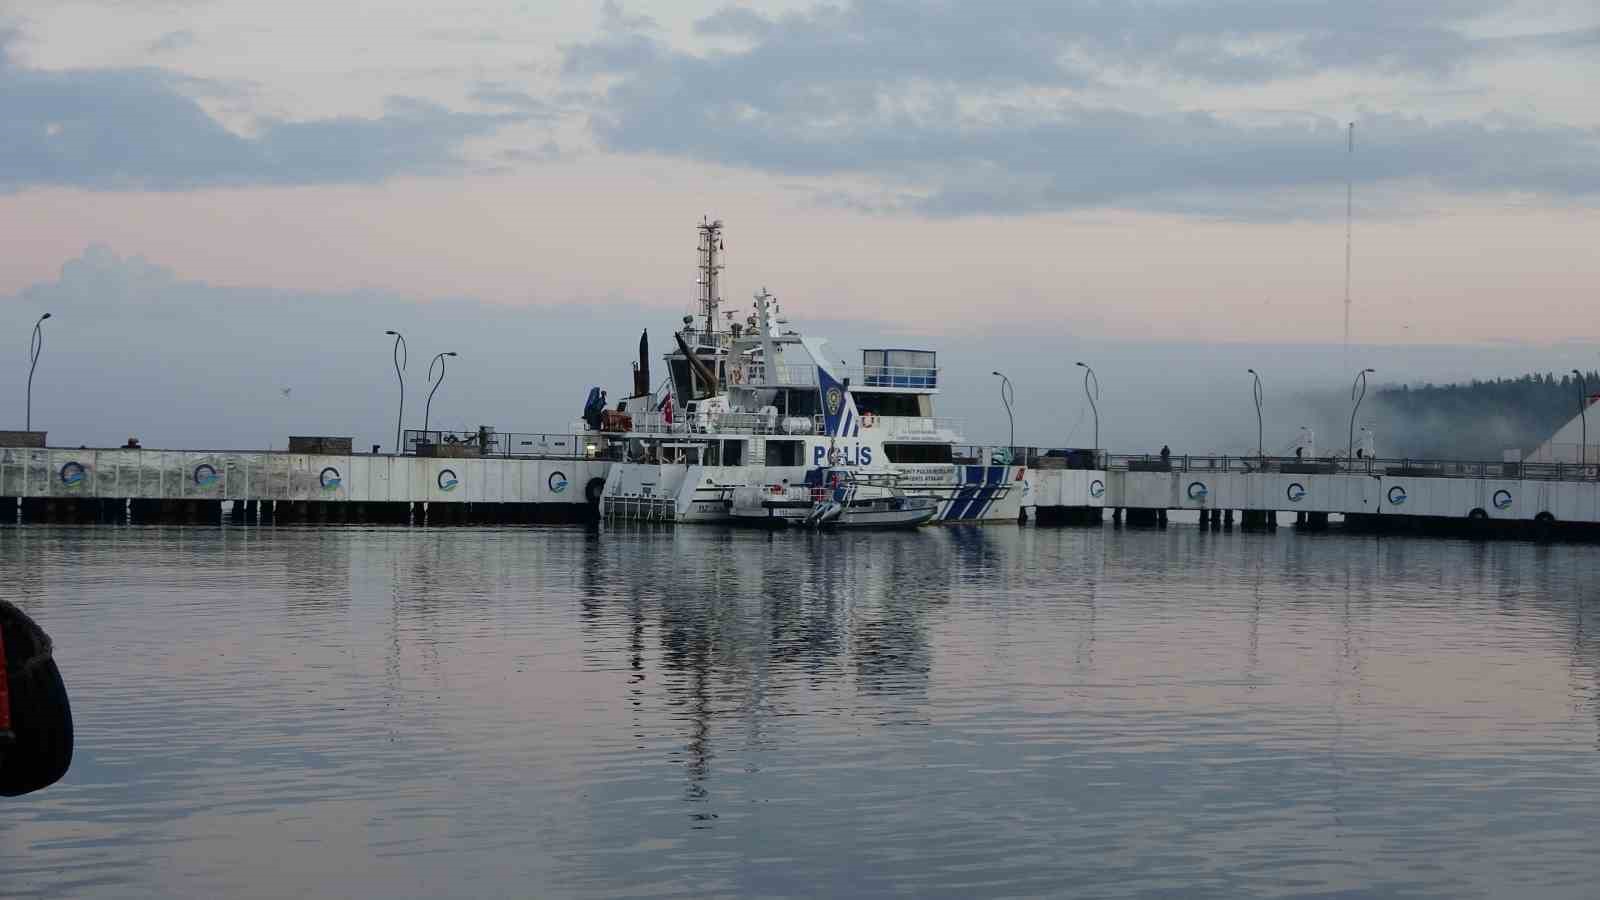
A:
(918, 425)
(914, 378)
(755, 372)
(486, 442)
(726, 423)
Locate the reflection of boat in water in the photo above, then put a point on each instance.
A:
(835, 498)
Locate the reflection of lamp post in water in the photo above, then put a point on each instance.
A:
(1583, 414)
(1088, 374)
(1007, 394)
(1360, 382)
(427, 407)
(35, 347)
(399, 365)
(1261, 451)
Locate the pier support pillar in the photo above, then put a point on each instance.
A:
(1227, 520)
(1161, 518)
(236, 512)
(8, 510)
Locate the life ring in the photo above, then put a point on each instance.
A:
(869, 419)
(593, 490)
(736, 375)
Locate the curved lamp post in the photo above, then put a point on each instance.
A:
(1007, 394)
(1261, 444)
(1583, 413)
(427, 407)
(35, 347)
(1361, 383)
(1088, 375)
(399, 366)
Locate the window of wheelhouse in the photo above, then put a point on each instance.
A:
(733, 453)
(883, 404)
(917, 453)
(785, 452)
(802, 402)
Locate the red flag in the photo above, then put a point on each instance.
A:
(666, 410)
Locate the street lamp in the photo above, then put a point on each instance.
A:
(1583, 413)
(1260, 441)
(1007, 394)
(427, 407)
(399, 365)
(35, 347)
(1088, 374)
(1360, 382)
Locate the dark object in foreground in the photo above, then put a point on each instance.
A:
(35, 717)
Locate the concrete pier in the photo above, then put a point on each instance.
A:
(39, 485)
(1488, 499)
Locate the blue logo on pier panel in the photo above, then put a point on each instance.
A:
(329, 479)
(1296, 492)
(557, 482)
(1097, 488)
(1197, 491)
(1397, 495)
(447, 480)
(205, 475)
(72, 474)
(1502, 499)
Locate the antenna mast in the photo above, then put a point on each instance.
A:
(710, 269)
(1349, 209)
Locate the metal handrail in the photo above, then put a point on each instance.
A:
(1376, 466)
(533, 445)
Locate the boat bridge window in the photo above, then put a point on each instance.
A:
(918, 453)
(908, 405)
(733, 453)
(798, 403)
(785, 452)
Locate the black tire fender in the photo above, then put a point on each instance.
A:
(41, 717)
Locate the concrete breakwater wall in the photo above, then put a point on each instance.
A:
(1378, 500)
(192, 486)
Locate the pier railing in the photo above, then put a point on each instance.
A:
(1386, 466)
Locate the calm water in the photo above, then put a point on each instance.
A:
(989, 712)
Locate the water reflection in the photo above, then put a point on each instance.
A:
(956, 712)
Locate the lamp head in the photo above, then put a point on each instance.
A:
(1251, 371)
(1369, 371)
(451, 353)
(1080, 364)
(997, 373)
(392, 332)
(43, 317)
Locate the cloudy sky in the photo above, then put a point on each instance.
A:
(179, 176)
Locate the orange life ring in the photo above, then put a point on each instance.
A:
(869, 419)
(736, 374)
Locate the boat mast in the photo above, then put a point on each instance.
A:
(769, 349)
(710, 270)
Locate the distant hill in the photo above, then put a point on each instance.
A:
(1479, 420)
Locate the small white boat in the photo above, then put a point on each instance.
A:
(834, 498)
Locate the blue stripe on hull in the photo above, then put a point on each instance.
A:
(992, 479)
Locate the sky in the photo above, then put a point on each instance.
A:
(220, 200)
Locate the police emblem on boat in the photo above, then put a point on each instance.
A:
(835, 400)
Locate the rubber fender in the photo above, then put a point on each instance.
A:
(40, 751)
